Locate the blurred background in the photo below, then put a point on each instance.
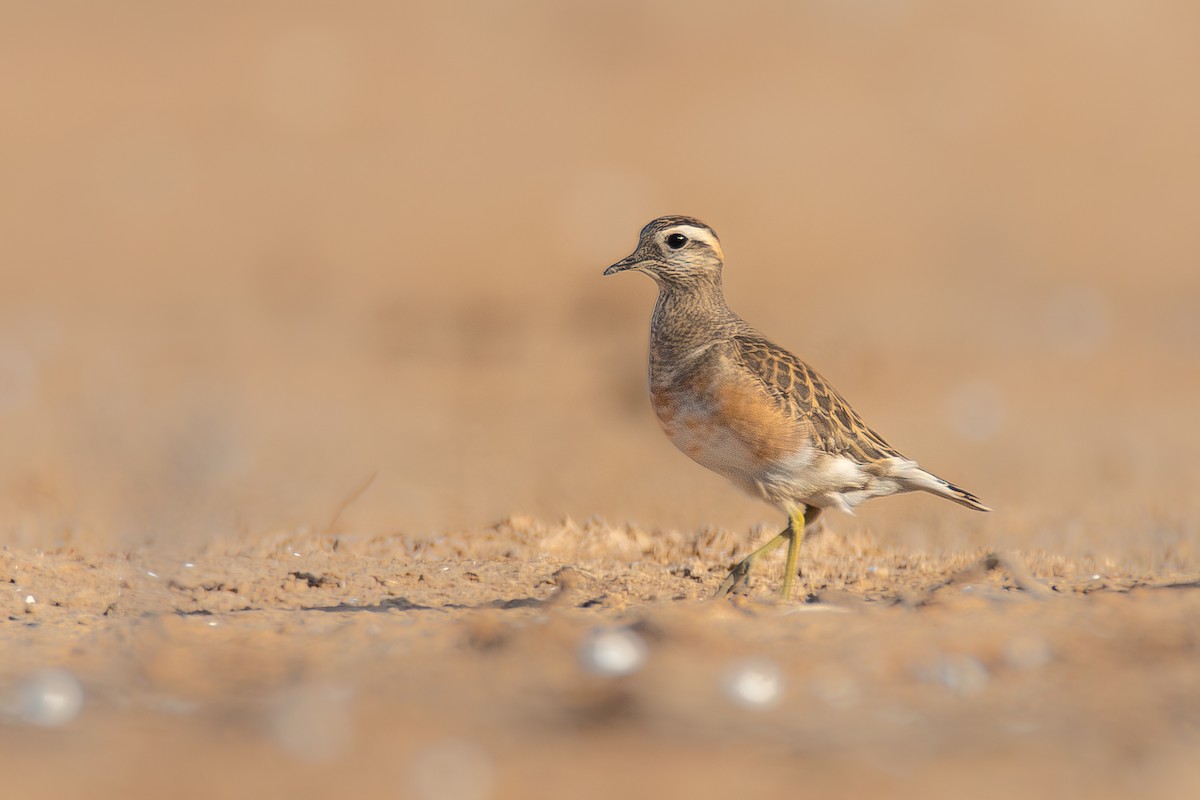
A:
(255, 254)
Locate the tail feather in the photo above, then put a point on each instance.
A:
(928, 482)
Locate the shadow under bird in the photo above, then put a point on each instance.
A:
(744, 407)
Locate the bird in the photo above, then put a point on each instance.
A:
(744, 407)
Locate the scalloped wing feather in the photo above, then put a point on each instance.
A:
(837, 428)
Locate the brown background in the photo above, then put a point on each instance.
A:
(255, 254)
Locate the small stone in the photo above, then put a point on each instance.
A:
(756, 684)
(612, 652)
(962, 674)
(50, 698)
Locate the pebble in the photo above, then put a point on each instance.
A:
(612, 652)
(757, 683)
(50, 698)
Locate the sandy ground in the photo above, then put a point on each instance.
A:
(328, 466)
(588, 661)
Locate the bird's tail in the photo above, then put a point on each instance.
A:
(928, 482)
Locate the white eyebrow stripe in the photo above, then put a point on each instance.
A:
(702, 234)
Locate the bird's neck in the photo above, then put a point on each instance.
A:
(689, 316)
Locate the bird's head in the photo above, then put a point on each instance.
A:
(676, 252)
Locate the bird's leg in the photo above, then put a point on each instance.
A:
(741, 572)
(795, 535)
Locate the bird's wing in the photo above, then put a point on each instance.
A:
(837, 428)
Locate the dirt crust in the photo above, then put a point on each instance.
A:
(534, 660)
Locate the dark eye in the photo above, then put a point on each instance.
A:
(676, 241)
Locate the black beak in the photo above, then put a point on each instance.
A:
(628, 262)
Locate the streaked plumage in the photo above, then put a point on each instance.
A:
(748, 409)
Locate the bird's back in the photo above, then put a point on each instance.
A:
(741, 405)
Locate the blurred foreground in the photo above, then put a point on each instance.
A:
(530, 661)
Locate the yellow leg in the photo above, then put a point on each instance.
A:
(741, 572)
(795, 535)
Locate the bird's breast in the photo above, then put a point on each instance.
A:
(731, 426)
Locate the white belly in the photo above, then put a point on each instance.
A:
(711, 445)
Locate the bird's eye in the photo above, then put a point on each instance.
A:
(676, 241)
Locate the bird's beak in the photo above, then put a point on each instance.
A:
(628, 262)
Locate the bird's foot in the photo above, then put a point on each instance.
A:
(740, 574)
(738, 579)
